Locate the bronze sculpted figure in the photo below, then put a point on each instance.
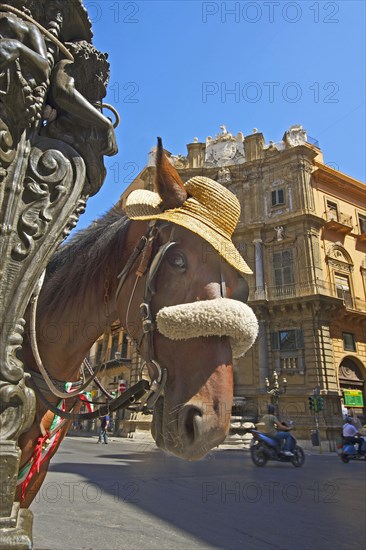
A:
(53, 136)
(75, 102)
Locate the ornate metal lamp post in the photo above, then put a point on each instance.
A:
(275, 391)
(48, 169)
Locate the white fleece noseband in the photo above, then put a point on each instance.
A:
(219, 317)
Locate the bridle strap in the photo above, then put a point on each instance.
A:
(130, 262)
(37, 357)
(149, 327)
(127, 398)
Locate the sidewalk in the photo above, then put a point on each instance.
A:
(146, 439)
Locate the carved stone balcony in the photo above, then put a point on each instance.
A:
(289, 362)
(361, 237)
(337, 221)
(300, 290)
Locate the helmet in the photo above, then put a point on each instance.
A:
(270, 408)
(348, 419)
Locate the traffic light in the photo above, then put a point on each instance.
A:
(311, 403)
(316, 403)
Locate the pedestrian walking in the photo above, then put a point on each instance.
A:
(103, 429)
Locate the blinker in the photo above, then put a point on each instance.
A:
(241, 292)
(155, 264)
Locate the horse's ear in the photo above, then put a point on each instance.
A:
(168, 182)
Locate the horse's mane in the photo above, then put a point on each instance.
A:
(85, 261)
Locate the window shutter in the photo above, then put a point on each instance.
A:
(275, 345)
(299, 338)
(124, 345)
(274, 201)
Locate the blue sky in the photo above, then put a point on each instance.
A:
(180, 69)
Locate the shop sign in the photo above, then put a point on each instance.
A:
(353, 398)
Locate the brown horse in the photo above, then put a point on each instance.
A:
(192, 313)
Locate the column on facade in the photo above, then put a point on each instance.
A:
(259, 274)
(262, 354)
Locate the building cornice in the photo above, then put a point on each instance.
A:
(338, 180)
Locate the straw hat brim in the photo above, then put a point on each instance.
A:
(145, 206)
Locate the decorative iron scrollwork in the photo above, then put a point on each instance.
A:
(53, 137)
(51, 178)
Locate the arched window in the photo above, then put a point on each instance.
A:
(352, 384)
(341, 268)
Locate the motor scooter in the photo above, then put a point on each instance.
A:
(349, 451)
(264, 448)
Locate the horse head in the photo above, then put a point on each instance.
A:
(185, 307)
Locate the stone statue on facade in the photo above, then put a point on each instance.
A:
(224, 176)
(53, 136)
(280, 232)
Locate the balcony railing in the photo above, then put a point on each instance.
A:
(312, 141)
(300, 290)
(338, 221)
(289, 363)
(113, 358)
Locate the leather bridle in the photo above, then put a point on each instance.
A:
(149, 268)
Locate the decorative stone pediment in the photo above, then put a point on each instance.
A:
(179, 161)
(338, 257)
(296, 135)
(225, 149)
(349, 371)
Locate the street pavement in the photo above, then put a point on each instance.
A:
(130, 495)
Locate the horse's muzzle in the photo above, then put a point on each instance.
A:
(195, 432)
(218, 317)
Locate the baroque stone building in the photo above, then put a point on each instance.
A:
(303, 232)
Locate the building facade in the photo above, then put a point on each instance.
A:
(302, 230)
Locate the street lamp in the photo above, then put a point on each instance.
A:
(275, 391)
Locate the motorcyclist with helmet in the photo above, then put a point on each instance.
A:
(351, 435)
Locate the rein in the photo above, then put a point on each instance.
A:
(128, 397)
(37, 357)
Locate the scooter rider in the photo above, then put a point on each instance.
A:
(276, 430)
(351, 434)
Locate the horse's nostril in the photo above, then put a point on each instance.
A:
(190, 423)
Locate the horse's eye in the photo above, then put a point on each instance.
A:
(176, 259)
